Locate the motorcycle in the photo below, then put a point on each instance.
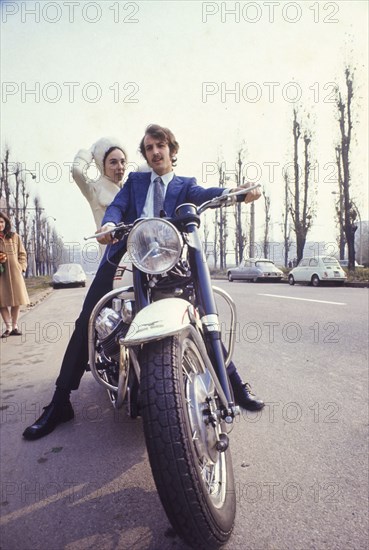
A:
(155, 346)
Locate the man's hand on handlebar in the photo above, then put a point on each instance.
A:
(252, 195)
(108, 238)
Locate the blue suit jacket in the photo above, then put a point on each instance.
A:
(130, 200)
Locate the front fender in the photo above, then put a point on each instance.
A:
(159, 320)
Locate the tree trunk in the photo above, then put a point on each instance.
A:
(301, 210)
(345, 124)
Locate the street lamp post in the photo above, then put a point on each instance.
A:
(24, 170)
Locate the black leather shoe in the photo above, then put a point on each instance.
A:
(245, 398)
(53, 415)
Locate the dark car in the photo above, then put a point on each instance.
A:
(253, 269)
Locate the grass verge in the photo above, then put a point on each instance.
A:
(37, 284)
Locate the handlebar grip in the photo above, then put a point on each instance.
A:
(119, 234)
(241, 197)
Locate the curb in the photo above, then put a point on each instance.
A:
(349, 284)
(38, 297)
(357, 284)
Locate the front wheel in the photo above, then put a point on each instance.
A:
(194, 480)
(291, 279)
(230, 278)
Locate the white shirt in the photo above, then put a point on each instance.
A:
(148, 209)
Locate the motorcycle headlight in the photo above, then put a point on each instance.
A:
(154, 246)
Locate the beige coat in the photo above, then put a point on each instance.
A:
(13, 290)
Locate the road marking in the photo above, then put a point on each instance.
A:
(304, 299)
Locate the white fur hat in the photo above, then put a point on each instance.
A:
(103, 145)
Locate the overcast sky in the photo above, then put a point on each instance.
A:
(217, 73)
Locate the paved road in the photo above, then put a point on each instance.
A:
(300, 465)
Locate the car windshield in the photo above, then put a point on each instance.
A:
(69, 267)
(264, 263)
(328, 260)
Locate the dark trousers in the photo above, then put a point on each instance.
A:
(75, 359)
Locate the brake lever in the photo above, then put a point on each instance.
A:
(116, 228)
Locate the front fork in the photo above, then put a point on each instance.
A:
(206, 300)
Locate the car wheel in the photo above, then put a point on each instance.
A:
(315, 281)
(291, 280)
(230, 278)
(255, 280)
(83, 284)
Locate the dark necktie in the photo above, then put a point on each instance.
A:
(158, 197)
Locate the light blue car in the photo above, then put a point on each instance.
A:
(253, 269)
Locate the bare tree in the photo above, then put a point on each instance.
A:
(206, 232)
(286, 227)
(221, 224)
(266, 227)
(38, 237)
(302, 210)
(25, 199)
(350, 212)
(5, 186)
(339, 205)
(240, 240)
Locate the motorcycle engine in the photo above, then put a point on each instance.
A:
(177, 282)
(110, 326)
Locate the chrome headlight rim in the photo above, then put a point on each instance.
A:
(134, 246)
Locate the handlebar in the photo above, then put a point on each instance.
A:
(223, 200)
(119, 227)
(227, 199)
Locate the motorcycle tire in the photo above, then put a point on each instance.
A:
(194, 481)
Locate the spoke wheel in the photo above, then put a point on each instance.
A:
(194, 480)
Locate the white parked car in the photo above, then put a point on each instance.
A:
(69, 274)
(316, 270)
(253, 269)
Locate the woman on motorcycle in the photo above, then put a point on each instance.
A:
(110, 159)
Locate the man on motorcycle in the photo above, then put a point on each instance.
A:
(138, 198)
